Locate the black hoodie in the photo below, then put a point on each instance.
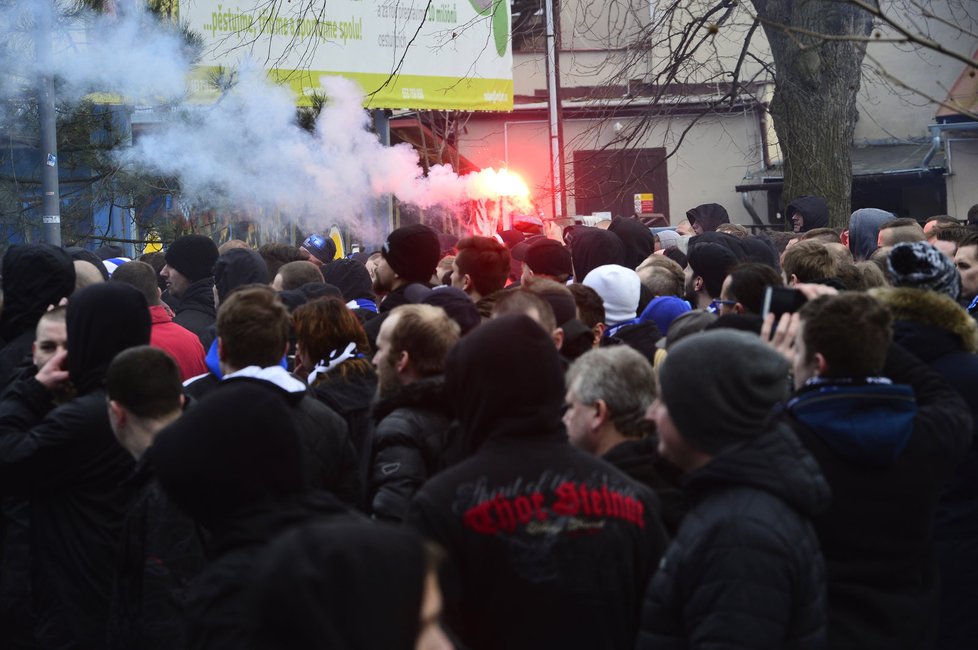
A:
(234, 463)
(551, 546)
(328, 585)
(708, 216)
(238, 267)
(814, 209)
(69, 463)
(638, 240)
(593, 247)
(34, 277)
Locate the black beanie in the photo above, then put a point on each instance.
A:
(711, 262)
(192, 256)
(234, 449)
(350, 277)
(721, 387)
(457, 305)
(413, 252)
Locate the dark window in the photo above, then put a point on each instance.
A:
(607, 181)
(529, 25)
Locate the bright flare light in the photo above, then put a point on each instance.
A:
(492, 184)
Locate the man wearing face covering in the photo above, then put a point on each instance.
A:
(551, 547)
(67, 461)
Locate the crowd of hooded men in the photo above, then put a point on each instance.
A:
(496, 443)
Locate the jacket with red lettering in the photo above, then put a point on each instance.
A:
(549, 547)
(177, 341)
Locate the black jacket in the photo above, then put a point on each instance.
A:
(887, 453)
(67, 461)
(70, 465)
(745, 569)
(195, 310)
(942, 334)
(351, 398)
(409, 442)
(162, 550)
(551, 547)
(217, 610)
(395, 298)
(328, 453)
(640, 460)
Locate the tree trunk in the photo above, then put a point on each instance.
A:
(814, 104)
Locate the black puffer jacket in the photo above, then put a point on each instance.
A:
(745, 570)
(408, 445)
(196, 312)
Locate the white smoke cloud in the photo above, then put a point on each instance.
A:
(243, 153)
(128, 53)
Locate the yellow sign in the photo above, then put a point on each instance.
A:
(391, 48)
(644, 203)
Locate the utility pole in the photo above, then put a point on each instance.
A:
(51, 205)
(553, 101)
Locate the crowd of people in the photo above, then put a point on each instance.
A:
(616, 439)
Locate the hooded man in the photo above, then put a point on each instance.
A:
(189, 275)
(69, 463)
(234, 463)
(638, 240)
(594, 247)
(807, 213)
(744, 570)
(706, 217)
(864, 230)
(552, 547)
(35, 276)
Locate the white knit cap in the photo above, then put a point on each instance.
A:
(619, 288)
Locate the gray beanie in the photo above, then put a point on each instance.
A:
(721, 387)
(921, 266)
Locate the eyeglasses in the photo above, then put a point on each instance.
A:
(716, 304)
